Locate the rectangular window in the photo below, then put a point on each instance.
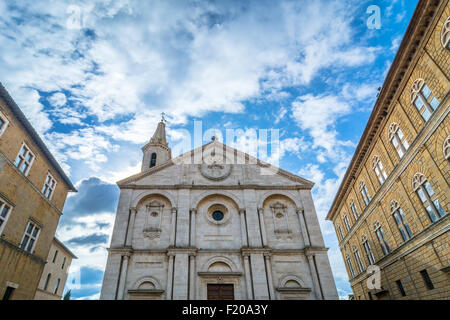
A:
(4, 214)
(347, 224)
(350, 266)
(3, 123)
(54, 257)
(400, 288)
(426, 279)
(340, 232)
(30, 237)
(64, 263)
(355, 212)
(358, 259)
(402, 225)
(369, 252)
(49, 186)
(383, 243)
(24, 160)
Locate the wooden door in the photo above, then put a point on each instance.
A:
(220, 292)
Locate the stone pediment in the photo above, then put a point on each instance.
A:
(215, 164)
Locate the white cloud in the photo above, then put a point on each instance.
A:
(58, 99)
(318, 115)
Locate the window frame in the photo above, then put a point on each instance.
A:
(30, 237)
(350, 266)
(422, 188)
(5, 123)
(339, 229)
(368, 250)
(381, 239)
(358, 259)
(48, 186)
(347, 223)
(417, 92)
(4, 220)
(396, 136)
(23, 159)
(378, 168)
(364, 193)
(354, 210)
(400, 220)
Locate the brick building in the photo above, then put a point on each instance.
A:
(391, 209)
(33, 189)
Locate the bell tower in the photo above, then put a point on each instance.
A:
(157, 151)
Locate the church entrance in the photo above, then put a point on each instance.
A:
(220, 292)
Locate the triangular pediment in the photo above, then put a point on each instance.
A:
(215, 164)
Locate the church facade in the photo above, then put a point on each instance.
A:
(220, 228)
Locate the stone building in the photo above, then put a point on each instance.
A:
(53, 279)
(33, 189)
(391, 209)
(216, 228)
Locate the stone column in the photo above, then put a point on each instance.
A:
(173, 227)
(170, 276)
(243, 228)
(193, 230)
(133, 213)
(181, 275)
(268, 260)
(262, 227)
(248, 279)
(123, 277)
(192, 276)
(259, 278)
(301, 221)
(313, 270)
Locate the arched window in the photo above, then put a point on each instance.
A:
(47, 280)
(347, 224)
(364, 192)
(446, 148)
(153, 160)
(445, 34)
(422, 98)
(369, 253)
(427, 196)
(398, 139)
(377, 166)
(358, 259)
(350, 266)
(400, 219)
(353, 208)
(381, 238)
(57, 286)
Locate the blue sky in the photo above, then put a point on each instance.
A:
(94, 77)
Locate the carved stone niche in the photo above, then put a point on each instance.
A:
(153, 219)
(280, 220)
